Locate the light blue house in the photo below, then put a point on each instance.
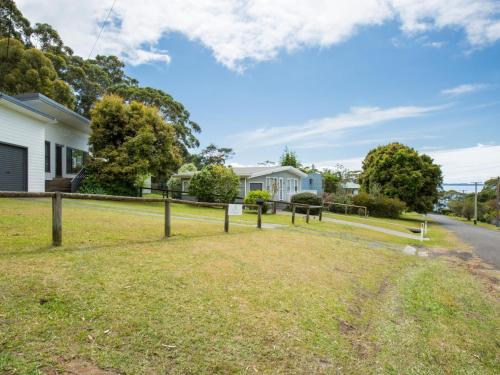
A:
(313, 183)
(281, 182)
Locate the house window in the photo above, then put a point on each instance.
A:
(255, 186)
(75, 160)
(47, 156)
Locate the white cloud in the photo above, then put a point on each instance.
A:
(460, 165)
(241, 31)
(317, 129)
(477, 163)
(464, 89)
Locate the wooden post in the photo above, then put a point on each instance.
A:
(293, 214)
(259, 217)
(307, 216)
(226, 218)
(345, 209)
(320, 213)
(168, 226)
(57, 219)
(274, 208)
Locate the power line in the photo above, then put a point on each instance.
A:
(102, 28)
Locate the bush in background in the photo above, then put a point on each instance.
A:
(307, 198)
(215, 183)
(381, 206)
(252, 197)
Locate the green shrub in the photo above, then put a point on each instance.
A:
(215, 183)
(307, 198)
(381, 206)
(252, 197)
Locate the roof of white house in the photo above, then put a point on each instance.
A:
(251, 172)
(53, 109)
(17, 105)
(350, 185)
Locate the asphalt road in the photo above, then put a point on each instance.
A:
(486, 242)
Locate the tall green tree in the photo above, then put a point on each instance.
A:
(91, 79)
(171, 110)
(212, 155)
(130, 141)
(289, 158)
(12, 22)
(24, 69)
(402, 173)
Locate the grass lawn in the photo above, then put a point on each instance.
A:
(305, 299)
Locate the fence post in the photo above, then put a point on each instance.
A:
(57, 219)
(293, 214)
(167, 219)
(320, 213)
(259, 216)
(422, 231)
(345, 211)
(226, 218)
(274, 208)
(307, 216)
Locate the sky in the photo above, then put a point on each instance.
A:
(329, 79)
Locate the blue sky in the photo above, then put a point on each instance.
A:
(274, 77)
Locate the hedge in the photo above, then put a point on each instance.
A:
(307, 198)
(252, 197)
(380, 206)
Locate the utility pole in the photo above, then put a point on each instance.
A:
(498, 202)
(475, 203)
(463, 205)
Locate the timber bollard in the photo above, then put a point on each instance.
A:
(320, 213)
(293, 214)
(307, 216)
(167, 219)
(57, 219)
(259, 217)
(226, 218)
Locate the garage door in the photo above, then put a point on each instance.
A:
(13, 173)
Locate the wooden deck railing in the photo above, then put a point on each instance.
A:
(57, 198)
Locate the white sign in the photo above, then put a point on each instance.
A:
(235, 209)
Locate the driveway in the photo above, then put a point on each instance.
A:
(486, 242)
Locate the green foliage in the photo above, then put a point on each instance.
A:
(91, 186)
(307, 198)
(129, 141)
(30, 70)
(380, 206)
(252, 197)
(289, 158)
(79, 83)
(215, 183)
(402, 173)
(459, 208)
(171, 110)
(212, 155)
(331, 180)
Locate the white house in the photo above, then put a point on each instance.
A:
(43, 144)
(281, 182)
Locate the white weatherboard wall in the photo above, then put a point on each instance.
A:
(65, 136)
(21, 130)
